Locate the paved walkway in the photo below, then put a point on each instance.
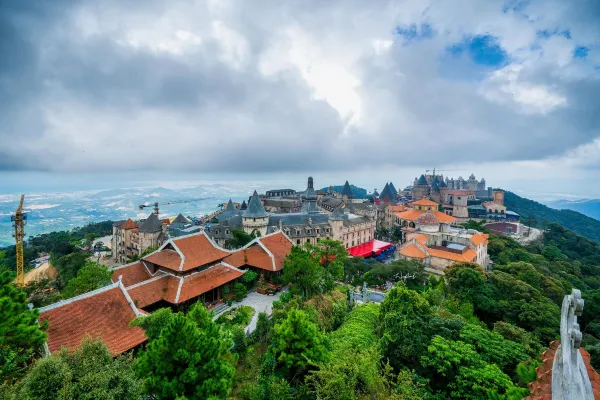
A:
(260, 303)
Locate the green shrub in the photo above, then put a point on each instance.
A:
(240, 291)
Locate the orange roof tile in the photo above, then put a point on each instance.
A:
(165, 258)
(166, 221)
(105, 314)
(421, 239)
(129, 224)
(424, 202)
(198, 250)
(256, 256)
(150, 292)
(412, 251)
(196, 284)
(467, 256)
(410, 215)
(479, 238)
(132, 274)
(442, 217)
(279, 245)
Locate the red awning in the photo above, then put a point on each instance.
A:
(374, 247)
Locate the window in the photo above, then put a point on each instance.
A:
(318, 231)
(308, 230)
(253, 219)
(216, 231)
(353, 243)
(298, 241)
(327, 230)
(287, 232)
(227, 231)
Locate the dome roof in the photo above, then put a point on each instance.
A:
(428, 219)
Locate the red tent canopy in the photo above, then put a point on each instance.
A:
(374, 247)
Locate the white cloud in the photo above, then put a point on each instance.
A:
(293, 86)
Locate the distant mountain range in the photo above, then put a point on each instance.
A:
(573, 220)
(589, 207)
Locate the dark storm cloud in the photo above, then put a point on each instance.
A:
(230, 86)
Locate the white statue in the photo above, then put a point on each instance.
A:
(570, 380)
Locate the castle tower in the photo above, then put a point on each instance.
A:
(421, 189)
(309, 199)
(255, 219)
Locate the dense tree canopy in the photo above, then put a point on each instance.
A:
(89, 372)
(188, 358)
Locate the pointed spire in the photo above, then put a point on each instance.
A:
(347, 191)
(244, 205)
(229, 206)
(255, 208)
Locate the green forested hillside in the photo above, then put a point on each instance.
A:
(577, 222)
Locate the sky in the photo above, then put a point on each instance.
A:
(97, 94)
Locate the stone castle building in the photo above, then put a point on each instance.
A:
(132, 238)
(351, 224)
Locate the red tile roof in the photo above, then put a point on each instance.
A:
(166, 221)
(196, 284)
(165, 258)
(132, 274)
(103, 314)
(197, 250)
(255, 255)
(279, 245)
(129, 224)
(150, 292)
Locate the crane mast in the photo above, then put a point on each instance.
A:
(19, 220)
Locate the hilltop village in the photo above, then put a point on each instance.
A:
(321, 270)
(179, 262)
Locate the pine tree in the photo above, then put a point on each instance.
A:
(298, 343)
(20, 334)
(187, 359)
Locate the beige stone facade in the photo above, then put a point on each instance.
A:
(131, 238)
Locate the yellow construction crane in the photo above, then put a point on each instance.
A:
(19, 220)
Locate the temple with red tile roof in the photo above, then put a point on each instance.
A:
(187, 268)
(102, 314)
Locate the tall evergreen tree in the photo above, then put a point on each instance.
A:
(20, 334)
(188, 359)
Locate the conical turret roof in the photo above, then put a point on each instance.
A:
(255, 208)
(422, 180)
(229, 206)
(385, 192)
(152, 224)
(393, 190)
(180, 220)
(244, 205)
(347, 191)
